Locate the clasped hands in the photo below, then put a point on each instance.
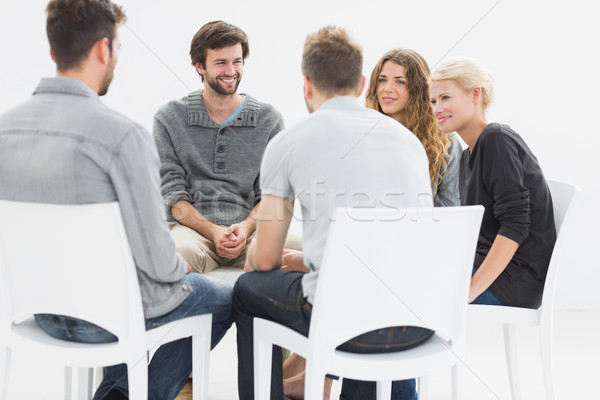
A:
(230, 241)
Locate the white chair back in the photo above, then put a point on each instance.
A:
(408, 267)
(564, 196)
(69, 260)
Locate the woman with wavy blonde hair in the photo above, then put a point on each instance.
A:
(399, 88)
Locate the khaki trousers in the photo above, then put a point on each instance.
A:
(201, 254)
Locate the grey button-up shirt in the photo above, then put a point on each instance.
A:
(64, 146)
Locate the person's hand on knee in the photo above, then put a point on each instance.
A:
(293, 260)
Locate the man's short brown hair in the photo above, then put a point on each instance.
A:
(216, 35)
(74, 26)
(332, 61)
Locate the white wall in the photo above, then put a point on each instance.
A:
(543, 55)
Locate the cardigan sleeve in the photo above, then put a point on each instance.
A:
(503, 174)
(173, 186)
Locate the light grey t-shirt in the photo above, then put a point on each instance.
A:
(343, 155)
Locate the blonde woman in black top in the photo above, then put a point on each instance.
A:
(500, 172)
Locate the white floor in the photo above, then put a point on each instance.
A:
(576, 362)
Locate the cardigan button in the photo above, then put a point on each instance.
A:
(220, 165)
(220, 149)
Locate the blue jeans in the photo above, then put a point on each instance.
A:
(172, 363)
(277, 296)
(487, 297)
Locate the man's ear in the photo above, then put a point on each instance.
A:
(362, 86)
(199, 68)
(308, 89)
(52, 56)
(101, 51)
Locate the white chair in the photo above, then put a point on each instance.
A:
(382, 268)
(563, 198)
(75, 260)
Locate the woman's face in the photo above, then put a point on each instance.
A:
(452, 106)
(392, 91)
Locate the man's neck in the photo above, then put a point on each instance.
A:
(220, 107)
(320, 98)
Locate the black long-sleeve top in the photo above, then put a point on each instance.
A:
(503, 175)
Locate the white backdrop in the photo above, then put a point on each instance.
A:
(543, 55)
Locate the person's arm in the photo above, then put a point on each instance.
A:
(172, 175)
(503, 175)
(134, 171)
(273, 220)
(502, 251)
(225, 243)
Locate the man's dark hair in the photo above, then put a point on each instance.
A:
(216, 35)
(74, 26)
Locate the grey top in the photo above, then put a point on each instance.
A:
(343, 155)
(215, 168)
(447, 194)
(64, 146)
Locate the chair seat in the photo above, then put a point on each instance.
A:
(400, 365)
(370, 366)
(28, 333)
(504, 314)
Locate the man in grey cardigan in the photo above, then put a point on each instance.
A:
(211, 144)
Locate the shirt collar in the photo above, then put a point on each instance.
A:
(63, 84)
(340, 102)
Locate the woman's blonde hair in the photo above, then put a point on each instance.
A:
(468, 74)
(420, 118)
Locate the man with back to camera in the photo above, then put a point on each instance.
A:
(64, 146)
(360, 151)
(211, 144)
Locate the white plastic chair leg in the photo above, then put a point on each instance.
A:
(68, 382)
(201, 347)
(314, 382)
(85, 384)
(457, 379)
(263, 353)
(546, 354)
(384, 390)
(423, 387)
(137, 374)
(98, 376)
(5, 372)
(510, 347)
